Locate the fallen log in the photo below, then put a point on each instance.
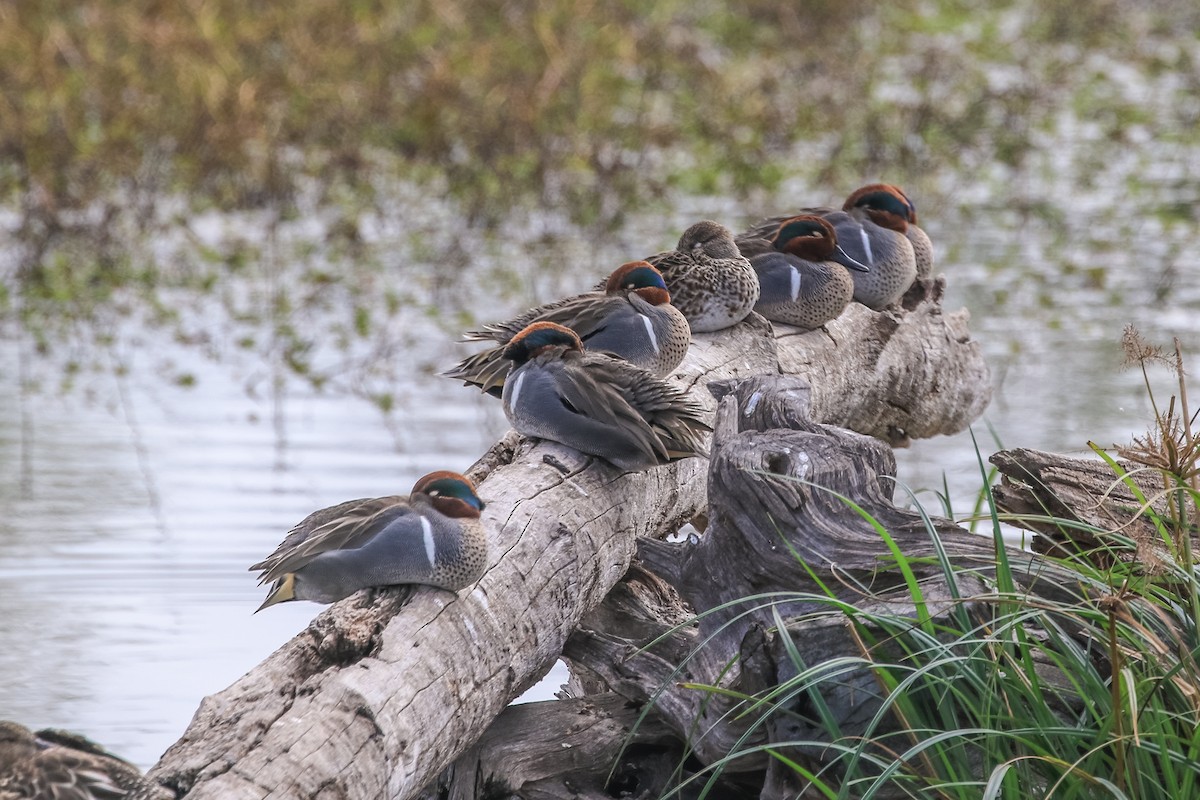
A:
(779, 540)
(889, 375)
(1080, 505)
(387, 688)
(563, 750)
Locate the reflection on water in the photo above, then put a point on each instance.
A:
(130, 520)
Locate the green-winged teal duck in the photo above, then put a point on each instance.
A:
(802, 272)
(710, 281)
(917, 237)
(632, 318)
(596, 403)
(59, 765)
(872, 227)
(434, 536)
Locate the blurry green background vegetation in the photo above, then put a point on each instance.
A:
(123, 121)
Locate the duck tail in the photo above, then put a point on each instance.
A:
(486, 369)
(282, 591)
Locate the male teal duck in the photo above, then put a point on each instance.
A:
(596, 403)
(802, 272)
(872, 227)
(710, 281)
(434, 537)
(58, 765)
(632, 318)
(917, 237)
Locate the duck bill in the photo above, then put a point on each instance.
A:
(844, 258)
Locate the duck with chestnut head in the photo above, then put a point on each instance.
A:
(632, 317)
(872, 226)
(804, 275)
(917, 237)
(596, 403)
(433, 536)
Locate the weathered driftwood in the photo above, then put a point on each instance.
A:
(385, 689)
(1072, 502)
(770, 507)
(598, 741)
(885, 374)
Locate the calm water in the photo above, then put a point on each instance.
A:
(133, 505)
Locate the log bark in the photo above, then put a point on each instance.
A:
(771, 508)
(886, 374)
(563, 750)
(387, 688)
(1077, 504)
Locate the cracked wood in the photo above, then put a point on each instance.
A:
(387, 688)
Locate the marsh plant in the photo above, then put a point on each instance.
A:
(1095, 694)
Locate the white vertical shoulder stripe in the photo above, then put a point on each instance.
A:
(866, 240)
(795, 283)
(516, 392)
(427, 530)
(650, 331)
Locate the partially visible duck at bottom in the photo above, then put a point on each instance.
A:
(802, 272)
(632, 317)
(596, 403)
(434, 537)
(58, 765)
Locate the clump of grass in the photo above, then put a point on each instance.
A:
(1171, 448)
(1086, 688)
